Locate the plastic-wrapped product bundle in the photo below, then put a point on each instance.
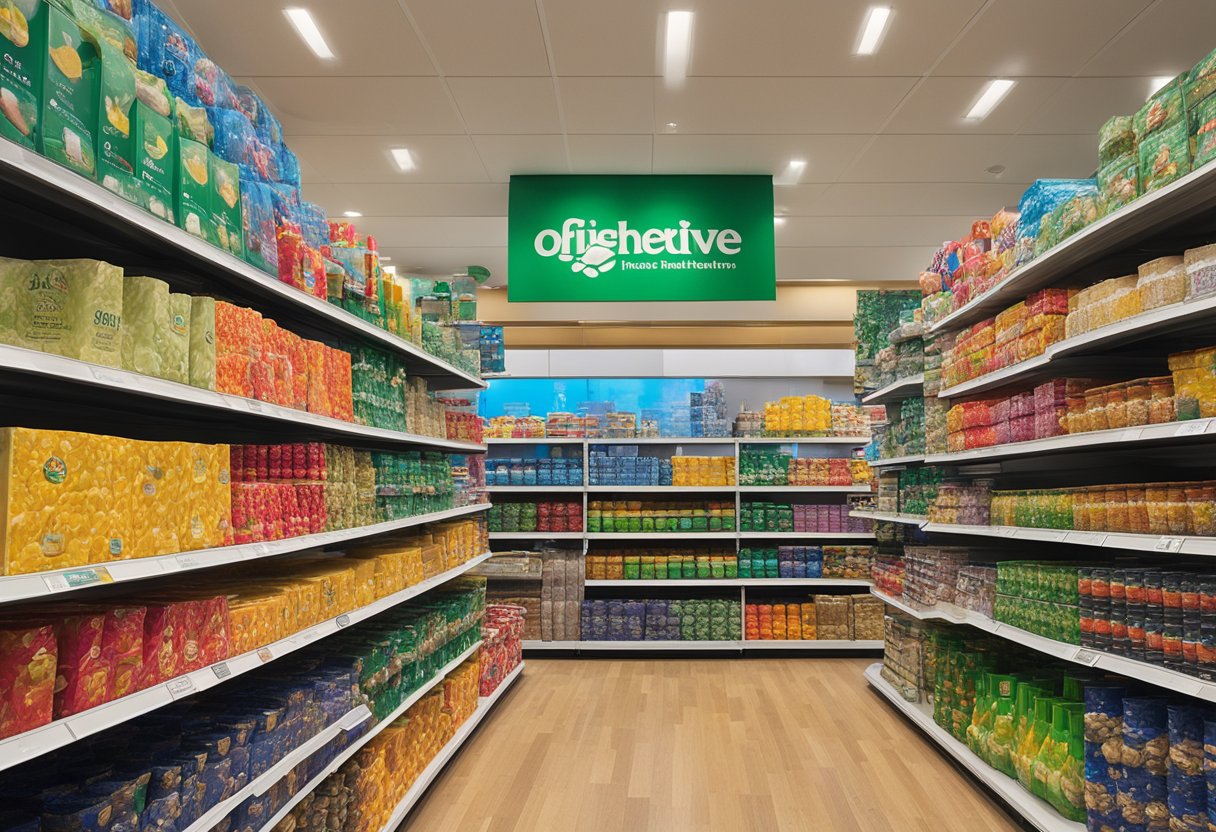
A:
(1162, 281)
(71, 308)
(1187, 791)
(238, 143)
(1116, 139)
(202, 342)
(175, 355)
(1142, 791)
(1038, 201)
(146, 316)
(1165, 155)
(165, 50)
(1200, 269)
(1119, 182)
(1203, 131)
(1163, 108)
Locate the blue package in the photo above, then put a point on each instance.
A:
(77, 813)
(164, 49)
(215, 781)
(314, 224)
(161, 815)
(212, 86)
(289, 166)
(235, 141)
(257, 217)
(286, 204)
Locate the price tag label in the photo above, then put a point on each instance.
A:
(1086, 538)
(343, 620)
(189, 561)
(1168, 544)
(265, 655)
(254, 405)
(1192, 428)
(1131, 435)
(55, 583)
(76, 578)
(181, 686)
(1086, 657)
(221, 670)
(109, 377)
(1008, 531)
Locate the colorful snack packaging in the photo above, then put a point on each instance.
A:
(70, 78)
(225, 205)
(23, 49)
(1201, 81)
(1116, 139)
(1164, 156)
(1119, 182)
(1163, 108)
(28, 657)
(146, 314)
(175, 359)
(257, 216)
(71, 308)
(193, 189)
(84, 670)
(123, 638)
(165, 628)
(1203, 128)
(202, 343)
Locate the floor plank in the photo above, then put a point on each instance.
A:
(719, 744)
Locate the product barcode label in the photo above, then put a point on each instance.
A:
(55, 583)
(1088, 657)
(255, 406)
(1168, 544)
(221, 670)
(1192, 428)
(188, 562)
(343, 620)
(265, 655)
(180, 686)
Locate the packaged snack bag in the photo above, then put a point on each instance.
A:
(257, 218)
(146, 324)
(175, 360)
(1203, 129)
(194, 190)
(71, 308)
(202, 342)
(1116, 139)
(1163, 108)
(123, 638)
(71, 74)
(165, 50)
(23, 25)
(28, 658)
(1164, 156)
(225, 202)
(84, 670)
(193, 123)
(1201, 81)
(164, 643)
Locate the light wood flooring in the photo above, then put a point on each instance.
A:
(708, 744)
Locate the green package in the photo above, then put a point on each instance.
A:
(225, 200)
(1163, 108)
(175, 360)
(71, 76)
(193, 202)
(1119, 182)
(202, 342)
(67, 307)
(115, 97)
(146, 311)
(1201, 81)
(1165, 155)
(1116, 139)
(155, 163)
(22, 57)
(1203, 128)
(193, 123)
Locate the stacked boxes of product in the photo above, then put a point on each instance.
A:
(961, 503)
(903, 657)
(654, 516)
(658, 620)
(910, 491)
(106, 651)
(766, 516)
(561, 593)
(878, 312)
(824, 618)
(515, 581)
(515, 427)
(662, 564)
(553, 471)
(621, 465)
(1040, 598)
(411, 483)
(1021, 332)
(839, 562)
(934, 576)
(905, 431)
(543, 516)
(765, 467)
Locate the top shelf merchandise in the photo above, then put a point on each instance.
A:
(231, 214)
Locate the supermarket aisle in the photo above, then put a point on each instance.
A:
(599, 746)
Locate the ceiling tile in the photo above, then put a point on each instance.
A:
(365, 159)
(940, 159)
(611, 154)
(591, 37)
(864, 231)
(505, 155)
(780, 105)
(1167, 39)
(852, 262)
(1038, 37)
(794, 37)
(1082, 105)
(469, 37)
(436, 232)
(826, 156)
(368, 37)
(857, 199)
(507, 105)
(607, 105)
(938, 105)
(359, 106)
(422, 200)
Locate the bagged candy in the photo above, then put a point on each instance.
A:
(165, 50)
(1116, 139)
(1163, 108)
(1203, 128)
(123, 639)
(258, 218)
(1201, 81)
(193, 123)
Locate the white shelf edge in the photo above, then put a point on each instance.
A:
(115, 380)
(351, 749)
(1037, 812)
(535, 440)
(40, 584)
(804, 489)
(896, 460)
(855, 441)
(61, 179)
(706, 646)
(729, 582)
(806, 536)
(661, 489)
(532, 489)
(660, 535)
(484, 705)
(811, 644)
(536, 535)
(1170, 544)
(890, 517)
(896, 390)
(26, 746)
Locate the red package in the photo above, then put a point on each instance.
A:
(123, 638)
(28, 658)
(213, 636)
(164, 643)
(84, 670)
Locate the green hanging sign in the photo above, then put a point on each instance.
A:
(640, 238)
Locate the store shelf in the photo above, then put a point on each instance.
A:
(851, 441)
(660, 535)
(124, 389)
(42, 584)
(902, 388)
(534, 489)
(1164, 544)
(536, 646)
(364, 739)
(1152, 674)
(1169, 209)
(661, 440)
(537, 440)
(24, 747)
(730, 582)
(262, 783)
(81, 206)
(1196, 430)
(536, 535)
(811, 644)
(804, 489)
(660, 489)
(484, 705)
(805, 536)
(694, 646)
(1038, 813)
(896, 460)
(891, 517)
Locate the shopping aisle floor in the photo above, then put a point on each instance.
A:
(708, 744)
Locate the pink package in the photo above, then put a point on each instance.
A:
(164, 643)
(84, 670)
(123, 638)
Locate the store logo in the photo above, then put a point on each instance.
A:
(592, 251)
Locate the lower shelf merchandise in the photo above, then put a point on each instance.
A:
(847, 562)
(545, 516)
(822, 617)
(662, 620)
(190, 765)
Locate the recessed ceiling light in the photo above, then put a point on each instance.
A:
(1156, 84)
(872, 30)
(678, 47)
(995, 170)
(351, 214)
(671, 125)
(778, 221)
(792, 173)
(989, 98)
(307, 29)
(403, 158)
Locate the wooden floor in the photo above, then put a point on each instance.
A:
(709, 744)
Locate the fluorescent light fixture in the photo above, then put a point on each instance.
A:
(792, 173)
(989, 98)
(873, 29)
(1156, 84)
(403, 158)
(778, 221)
(351, 214)
(307, 29)
(679, 47)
